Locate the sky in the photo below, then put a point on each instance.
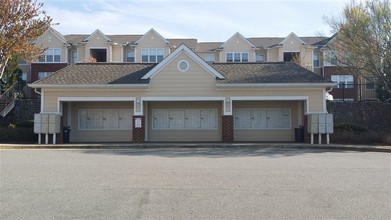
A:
(205, 20)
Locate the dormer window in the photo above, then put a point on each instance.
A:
(237, 57)
(99, 54)
(52, 55)
(152, 55)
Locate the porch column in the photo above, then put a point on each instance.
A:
(138, 131)
(227, 128)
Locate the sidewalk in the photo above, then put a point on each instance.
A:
(337, 147)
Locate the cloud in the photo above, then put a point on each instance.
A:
(205, 20)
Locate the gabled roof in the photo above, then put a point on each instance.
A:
(294, 36)
(57, 34)
(139, 74)
(267, 72)
(97, 31)
(183, 49)
(98, 74)
(150, 32)
(237, 34)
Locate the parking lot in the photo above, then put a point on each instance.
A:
(194, 183)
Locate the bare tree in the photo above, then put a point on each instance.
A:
(363, 40)
(21, 22)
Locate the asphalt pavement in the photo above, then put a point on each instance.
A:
(194, 183)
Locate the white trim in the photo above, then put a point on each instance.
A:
(271, 98)
(94, 99)
(233, 57)
(183, 49)
(91, 86)
(268, 85)
(187, 66)
(42, 100)
(149, 32)
(240, 36)
(292, 35)
(97, 31)
(169, 99)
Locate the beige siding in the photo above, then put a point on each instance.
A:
(292, 44)
(151, 40)
(117, 54)
(49, 40)
(97, 41)
(172, 82)
(97, 135)
(184, 135)
(268, 134)
(273, 55)
(237, 44)
(81, 53)
(192, 89)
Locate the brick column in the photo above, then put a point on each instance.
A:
(227, 128)
(138, 132)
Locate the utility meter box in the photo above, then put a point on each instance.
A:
(47, 123)
(320, 124)
(37, 123)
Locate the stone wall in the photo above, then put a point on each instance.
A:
(24, 110)
(374, 116)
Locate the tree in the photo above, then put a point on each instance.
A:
(21, 22)
(363, 40)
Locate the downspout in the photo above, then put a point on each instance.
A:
(35, 90)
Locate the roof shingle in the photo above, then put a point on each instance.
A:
(99, 73)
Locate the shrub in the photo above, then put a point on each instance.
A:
(13, 134)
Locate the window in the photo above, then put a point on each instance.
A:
(183, 65)
(74, 57)
(333, 58)
(130, 56)
(184, 119)
(259, 57)
(370, 84)
(316, 59)
(152, 55)
(344, 81)
(22, 62)
(209, 57)
(105, 119)
(262, 118)
(51, 55)
(42, 75)
(99, 54)
(237, 57)
(291, 56)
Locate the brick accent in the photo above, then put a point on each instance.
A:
(138, 133)
(43, 67)
(227, 128)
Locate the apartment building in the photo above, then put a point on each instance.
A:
(148, 88)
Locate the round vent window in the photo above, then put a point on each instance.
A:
(183, 65)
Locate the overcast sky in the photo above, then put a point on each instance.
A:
(201, 19)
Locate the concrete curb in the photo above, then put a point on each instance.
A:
(335, 147)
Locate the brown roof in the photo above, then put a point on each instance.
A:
(204, 47)
(191, 43)
(131, 73)
(267, 72)
(100, 73)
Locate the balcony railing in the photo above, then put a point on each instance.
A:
(7, 99)
(354, 92)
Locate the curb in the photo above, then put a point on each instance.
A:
(360, 148)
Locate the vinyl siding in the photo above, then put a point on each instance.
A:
(49, 40)
(237, 44)
(151, 40)
(116, 54)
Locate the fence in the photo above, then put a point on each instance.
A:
(354, 92)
